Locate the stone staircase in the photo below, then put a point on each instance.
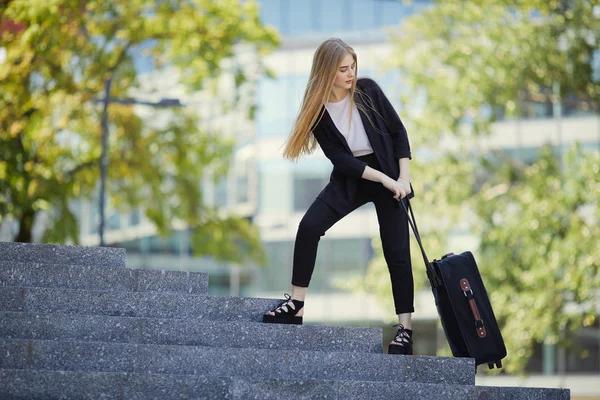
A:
(75, 323)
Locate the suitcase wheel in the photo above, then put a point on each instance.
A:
(497, 363)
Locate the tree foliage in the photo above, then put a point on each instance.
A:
(464, 65)
(538, 227)
(58, 55)
(492, 56)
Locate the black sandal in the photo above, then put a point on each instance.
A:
(402, 343)
(284, 313)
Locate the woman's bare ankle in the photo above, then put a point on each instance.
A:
(299, 293)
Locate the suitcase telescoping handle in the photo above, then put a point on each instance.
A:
(434, 278)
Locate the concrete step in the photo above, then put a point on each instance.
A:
(189, 332)
(94, 278)
(231, 362)
(30, 384)
(133, 304)
(63, 255)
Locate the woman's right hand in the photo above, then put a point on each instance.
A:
(395, 187)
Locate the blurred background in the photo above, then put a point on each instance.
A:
(158, 126)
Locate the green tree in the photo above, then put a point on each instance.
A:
(464, 65)
(59, 55)
(538, 229)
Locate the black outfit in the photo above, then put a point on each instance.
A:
(347, 190)
(389, 142)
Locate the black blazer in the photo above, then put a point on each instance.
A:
(389, 145)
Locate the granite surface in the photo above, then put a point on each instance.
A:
(171, 281)
(62, 255)
(35, 384)
(232, 362)
(285, 389)
(17, 325)
(191, 332)
(74, 323)
(46, 385)
(32, 384)
(105, 278)
(133, 304)
(378, 391)
(161, 387)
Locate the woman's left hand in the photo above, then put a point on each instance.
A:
(406, 185)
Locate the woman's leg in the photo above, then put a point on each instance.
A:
(318, 219)
(298, 293)
(393, 229)
(405, 320)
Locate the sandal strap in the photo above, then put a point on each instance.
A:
(403, 336)
(285, 308)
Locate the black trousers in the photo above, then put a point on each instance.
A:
(393, 230)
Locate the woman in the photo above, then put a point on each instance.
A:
(358, 130)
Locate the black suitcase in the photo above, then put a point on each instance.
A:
(462, 304)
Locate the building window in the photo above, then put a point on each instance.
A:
(584, 355)
(243, 170)
(114, 221)
(221, 193)
(275, 187)
(135, 217)
(306, 190)
(94, 217)
(300, 17)
(309, 179)
(277, 273)
(279, 101)
(164, 244)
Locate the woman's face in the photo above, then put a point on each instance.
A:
(345, 72)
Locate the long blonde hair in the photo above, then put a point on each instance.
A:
(326, 61)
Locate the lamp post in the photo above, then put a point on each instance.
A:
(104, 155)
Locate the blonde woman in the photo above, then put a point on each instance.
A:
(359, 131)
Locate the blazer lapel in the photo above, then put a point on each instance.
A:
(365, 120)
(372, 134)
(337, 132)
